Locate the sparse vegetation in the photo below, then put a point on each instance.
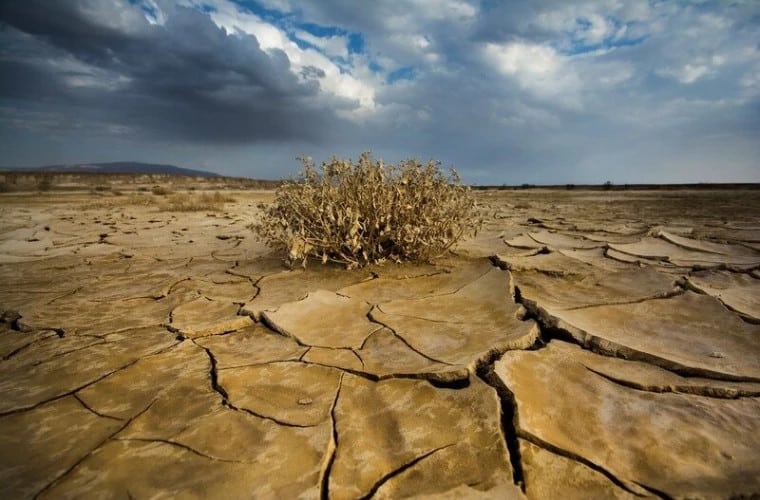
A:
(175, 202)
(368, 212)
(44, 185)
(160, 191)
(194, 202)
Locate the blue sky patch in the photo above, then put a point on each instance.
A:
(355, 43)
(289, 23)
(405, 73)
(578, 45)
(321, 31)
(270, 15)
(146, 7)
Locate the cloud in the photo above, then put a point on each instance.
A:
(538, 69)
(331, 46)
(186, 78)
(539, 91)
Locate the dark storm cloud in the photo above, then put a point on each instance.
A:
(187, 79)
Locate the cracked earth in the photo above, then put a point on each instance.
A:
(584, 345)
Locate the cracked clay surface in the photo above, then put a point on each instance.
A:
(584, 345)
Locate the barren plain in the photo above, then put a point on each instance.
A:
(586, 344)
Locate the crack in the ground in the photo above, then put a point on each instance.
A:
(70, 351)
(509, 412)
(220, 334)
(658, 493)
(429, 320)
(94, 411)
(366, 339)
(656, 258)
(437, 379)
(88, 454)
(550, 326)
(332, 448)
(635, 259)
(456, 290)
(693, 390)
(219, 389)
(84, 386)
(155, 297)
(27, 345)
(359, 357)
(268, 417)
(171, 287)
(71, 292)
(677, 291)
(186, 448)
(506, 266)
(372, 318)
(267, 321)
(509, 419)
(399, 470)
(688, 284)
(545, 445)
(178, 334)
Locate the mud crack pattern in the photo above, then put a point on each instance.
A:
(572, 350)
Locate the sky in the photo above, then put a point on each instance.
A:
(507, 92)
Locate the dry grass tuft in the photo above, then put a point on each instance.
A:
(368, 212)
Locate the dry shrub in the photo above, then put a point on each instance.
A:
(192, 202)
(368, 212)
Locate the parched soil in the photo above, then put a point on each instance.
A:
(587, 344)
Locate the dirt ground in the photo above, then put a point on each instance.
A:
(586, 344)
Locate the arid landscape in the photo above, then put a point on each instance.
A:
(586, 344)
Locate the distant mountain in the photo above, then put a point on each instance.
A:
(119, 167)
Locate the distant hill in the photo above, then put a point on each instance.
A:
(119, 167)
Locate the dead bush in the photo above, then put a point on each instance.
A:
(368, 212)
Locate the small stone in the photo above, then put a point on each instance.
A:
(305, 401)
(10, 317)
(717, 354)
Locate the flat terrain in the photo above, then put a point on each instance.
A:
(586, 344)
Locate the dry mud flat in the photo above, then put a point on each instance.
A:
(585, 345)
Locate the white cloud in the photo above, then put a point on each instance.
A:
(688, 73)
(335, 82)
(280, 5)
(592, 23)
(334, 46)
(538, 69)
(153, 13)
(113, 14)
(445, 9)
